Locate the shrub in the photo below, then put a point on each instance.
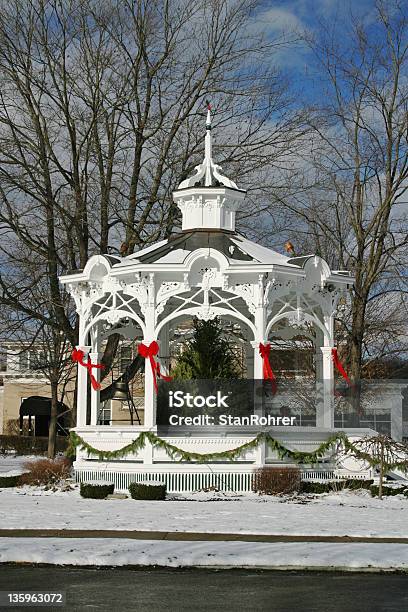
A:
(30, 445)
(96, 490)
(355, 484)
(275, 480)
(46, 471)
(315, 487)
(149, 491)
(334, 485)
(388, 491)
(9, 481)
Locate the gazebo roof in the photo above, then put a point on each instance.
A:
(235, 247)
(208, 202)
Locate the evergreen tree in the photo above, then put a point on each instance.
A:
(208, 355)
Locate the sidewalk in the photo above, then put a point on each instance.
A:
(177, 536)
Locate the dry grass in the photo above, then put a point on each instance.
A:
(46, 471)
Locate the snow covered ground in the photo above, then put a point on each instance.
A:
(346, 513)
(107, 552)
(335, 514)
(14, 463)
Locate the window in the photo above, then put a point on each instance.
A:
(32, 360)
(23, 362)
(105, 414)
(36, 359)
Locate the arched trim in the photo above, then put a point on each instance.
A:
(123, 314)
(97, 261)
(307, 316)
(221, 312)
(317, 262)
(206, 252)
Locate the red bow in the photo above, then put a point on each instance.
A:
(78, 356)
(150, 352)
(339, 366)
(264, 351)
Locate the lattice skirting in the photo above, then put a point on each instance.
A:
(184, 482)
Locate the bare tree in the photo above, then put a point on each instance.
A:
(349, 202)
(380, 452)
(98, 122)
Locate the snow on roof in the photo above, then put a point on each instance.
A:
(177, 257)
(236, 248)
(146, 250)
(258, 252)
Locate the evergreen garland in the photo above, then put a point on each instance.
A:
(179, 454)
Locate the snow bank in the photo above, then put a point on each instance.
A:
(108, 552)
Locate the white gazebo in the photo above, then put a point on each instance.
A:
(206, 270)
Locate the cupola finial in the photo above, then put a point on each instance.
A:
(208, 174)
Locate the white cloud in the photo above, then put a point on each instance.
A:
(279, 20)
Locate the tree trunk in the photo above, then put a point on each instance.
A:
(52, 431)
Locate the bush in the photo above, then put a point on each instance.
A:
(355, 484)
(46, 471)
(9, 481)
(149, 491)
(388, 491)
(275, 480)
(30, 445)
(314, 487)
(96, 490)
(334, 485)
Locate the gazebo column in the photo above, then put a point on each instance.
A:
(149, 389)
(95, 393)
(319, 379)
(82, 388)
(325, 407)
(260, 326)
(257, 360)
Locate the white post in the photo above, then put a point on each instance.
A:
(260, 325)
(258, 377)
(326, 415)
(257, 360)
(82, 390)
(149, 395)
(319, 380)
(149, 390)
(95, 393)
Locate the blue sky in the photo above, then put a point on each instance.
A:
(292, 16)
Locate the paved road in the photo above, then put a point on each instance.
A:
(205, 590)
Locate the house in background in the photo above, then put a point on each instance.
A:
(22, 377)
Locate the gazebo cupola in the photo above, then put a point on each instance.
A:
(208, 200)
